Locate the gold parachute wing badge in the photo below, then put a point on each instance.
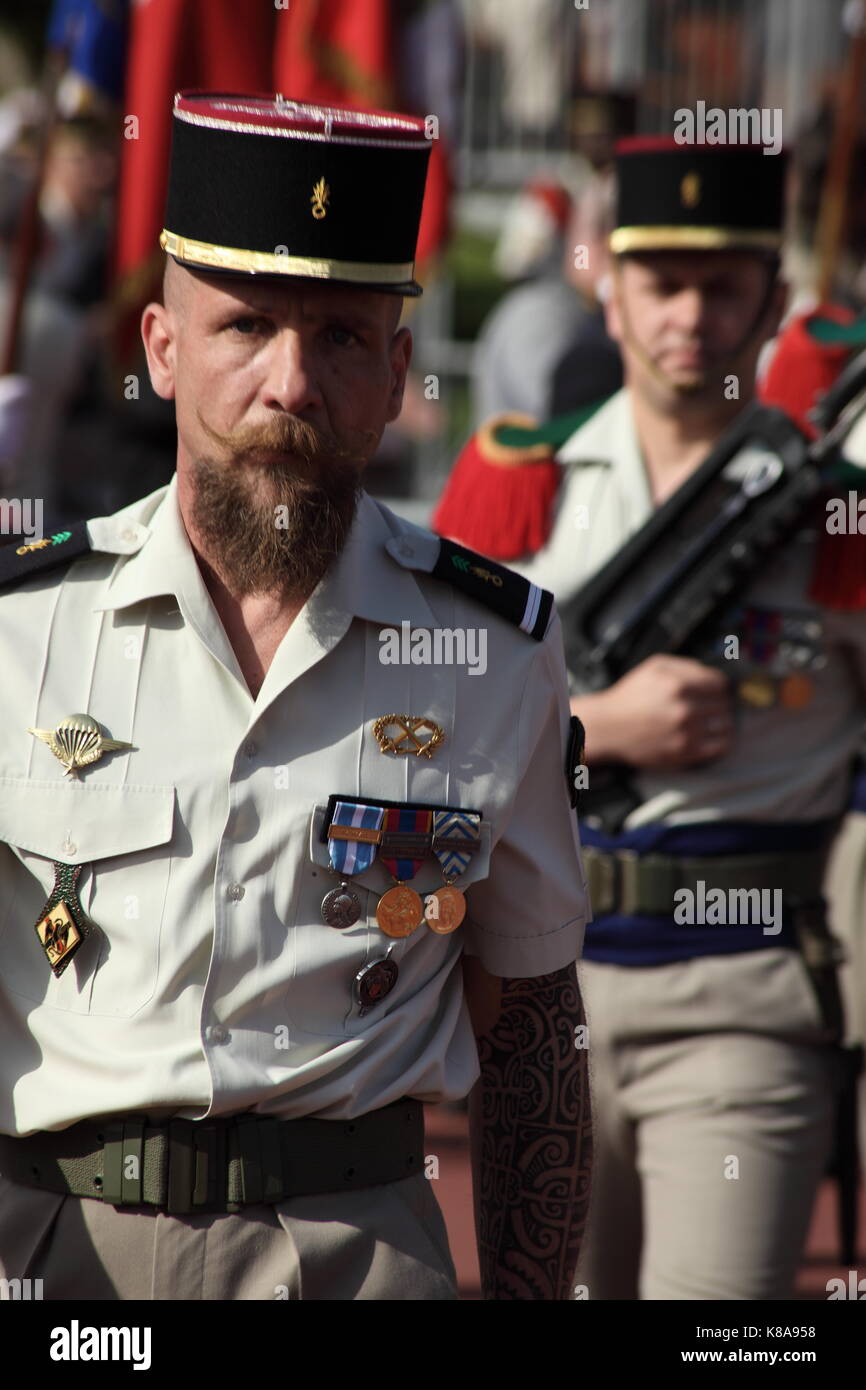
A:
(78, 741)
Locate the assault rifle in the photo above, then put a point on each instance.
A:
(708, 540)
(663, 590)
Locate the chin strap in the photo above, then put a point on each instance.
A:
(746, 340)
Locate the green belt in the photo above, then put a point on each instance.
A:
(188, 1166)
(627, 884)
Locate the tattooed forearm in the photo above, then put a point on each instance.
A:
(532, 1140)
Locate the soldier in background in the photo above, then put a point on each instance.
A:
(713, 1039)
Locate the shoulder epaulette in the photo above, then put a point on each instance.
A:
(514, 598)
(500, 495)
(20, 562)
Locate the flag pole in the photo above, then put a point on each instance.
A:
(831, 224)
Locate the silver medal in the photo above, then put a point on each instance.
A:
(341, 907)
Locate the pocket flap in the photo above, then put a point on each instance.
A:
(74, 822)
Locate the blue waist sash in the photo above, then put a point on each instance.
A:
(660, 940)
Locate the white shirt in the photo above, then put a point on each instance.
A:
(212, 985)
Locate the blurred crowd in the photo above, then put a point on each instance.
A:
(519, 328)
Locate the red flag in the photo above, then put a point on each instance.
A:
(333, 51)
(173, 44)
(342, 51)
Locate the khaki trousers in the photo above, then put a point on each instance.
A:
(713, 1106)
(845, 890)
(385, 1242)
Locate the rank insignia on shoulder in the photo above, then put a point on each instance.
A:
(20, 562)
(504, 591)
(510, 595)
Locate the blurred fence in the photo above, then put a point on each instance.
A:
(529, 61)
(531, 70)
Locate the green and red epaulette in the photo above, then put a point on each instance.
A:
(499, 497)
(839, 575)
(811, 352)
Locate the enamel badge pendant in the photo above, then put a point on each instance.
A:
(77, 741)
(375, 982)
(63, 924)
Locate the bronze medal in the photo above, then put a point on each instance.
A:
(445, 909)
(797, 691)
(757, 691)
(400, 911)
(341, 907)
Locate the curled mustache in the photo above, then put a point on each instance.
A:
(284, 434)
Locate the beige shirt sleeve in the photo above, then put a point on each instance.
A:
(526, 918)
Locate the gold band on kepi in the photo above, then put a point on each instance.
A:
(626, 239)
(199, 253)
(674, 196)
(266, 186)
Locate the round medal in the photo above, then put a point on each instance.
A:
(400, 911)
(796, 692)
(445, 909)
(374, 982)
(341, 907)
(757, 691)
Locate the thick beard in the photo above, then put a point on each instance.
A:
(269, 523)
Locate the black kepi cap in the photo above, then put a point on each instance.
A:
(261, 185)
(674, 197)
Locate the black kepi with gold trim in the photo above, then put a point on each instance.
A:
(262, 185)
(683, 197)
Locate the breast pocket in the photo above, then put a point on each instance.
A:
(118, 834)
(327, 959)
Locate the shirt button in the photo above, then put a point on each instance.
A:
(127, 534)
(406, 551)
(68, 847)
(250, 749)
(217, 1033)
(235, 892)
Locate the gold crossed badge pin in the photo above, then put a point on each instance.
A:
(398, 733)
(77, 741)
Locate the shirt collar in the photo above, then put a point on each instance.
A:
(364, 582)
(608, 436)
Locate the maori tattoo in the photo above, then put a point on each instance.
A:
(533, 1141)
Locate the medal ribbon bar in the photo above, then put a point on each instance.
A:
(407, 835)
(353, 856)
(456, 837)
